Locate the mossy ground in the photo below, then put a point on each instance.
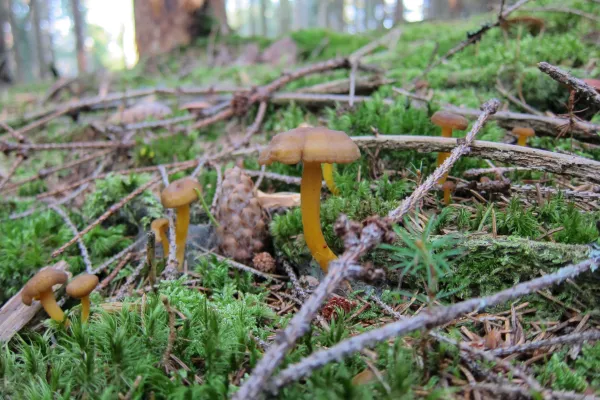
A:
(220, 313)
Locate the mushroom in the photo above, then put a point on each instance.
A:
(40, 288)
(80, 288)
(327, 169)
(159, 227)
(312, 146)
(447, 121)
(179, 195)
(522, 134)
(448, 187)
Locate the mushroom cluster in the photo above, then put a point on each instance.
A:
(312, 146)
(40, 288)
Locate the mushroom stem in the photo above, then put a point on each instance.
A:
(85, 308)
(165, 242)
(310, 204)
(446, 132)
(181, 231)
(328, 175)
(447, 196)
(522, 140)
(51, 306)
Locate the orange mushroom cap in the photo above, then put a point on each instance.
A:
(449, 185)
(180, 193)
(595, 83)
(42, 282)
(523, 131)
(82, 285)
(447, 119)
(310, 145)
(158, 225)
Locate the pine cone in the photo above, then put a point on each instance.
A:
(264, 262)
(333, 304)
(243, 228)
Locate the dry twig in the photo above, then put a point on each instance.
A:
(582, 88)
(84, 253)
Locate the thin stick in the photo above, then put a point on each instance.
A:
(433, 317)
(572, 11)
(12, 146)
(581, 337)
(582, 88)
(136, 272)
(106, 281)
(213, 204)
(118, 256)
(558, 163)
(19, 160)
(112, 209)
(82, 249)
(172, 332)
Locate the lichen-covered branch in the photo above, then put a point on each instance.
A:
(582, 88)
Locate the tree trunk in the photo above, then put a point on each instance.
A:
(284, 16)
(78, 23)
(39, 42)
(338, 16)
(5, 75)
(14, 28)
(220, 13)
(399, 12)
(322, 12)
(252, 18)
(263, 18)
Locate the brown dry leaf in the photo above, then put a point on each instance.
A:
(277, 200)
(364, 377)
(140, 112)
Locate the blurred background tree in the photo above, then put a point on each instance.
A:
(42, 39)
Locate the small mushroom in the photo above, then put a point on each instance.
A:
(312, 146)
(447, 121)
(159, 227)
(40, 288)
(448, 188)
(196, 107)
(80, 288)
(522, 134)
(179, 195)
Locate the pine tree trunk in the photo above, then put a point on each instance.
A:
(338, 15)
(78, 23)
(14, 28)
(322, 12)
(263, 18)
(284, 16)
(39, 41)
(220, 13)
(252, 18)
(399, 12)
(5, 75)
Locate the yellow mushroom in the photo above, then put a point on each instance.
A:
(447, 121)
(312, 146)
(40, 288)
(448, 188)
(179, 195)
(80, 288)
(159, 227)
(327, 169)
(523, 134)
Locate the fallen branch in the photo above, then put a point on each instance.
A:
(9, 147)
(578, 338)
(576, 84)
(558, 163)
(82, 249)
(373, 233)
(563, 10)
(426, 320)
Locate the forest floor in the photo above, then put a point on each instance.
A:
(487, 291)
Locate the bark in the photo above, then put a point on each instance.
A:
(78, 23)
(39, 41)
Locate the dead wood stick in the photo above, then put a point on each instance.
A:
(429, 319)
(373, 233)
(82, 249)
(576, 84)
(580, 337)
(18, 161)
(11, 146)
(557, 163)
(564, 10)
